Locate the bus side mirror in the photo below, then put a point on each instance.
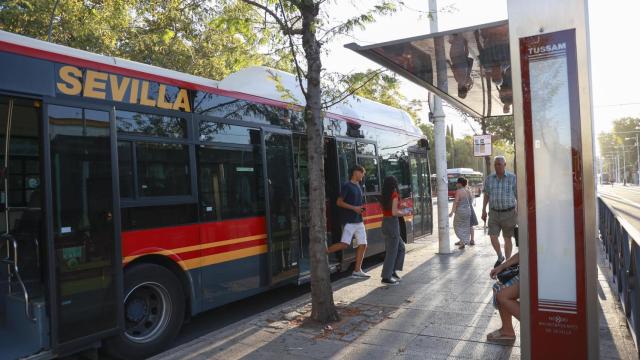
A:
(424, 143)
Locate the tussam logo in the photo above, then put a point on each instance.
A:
(547, 48)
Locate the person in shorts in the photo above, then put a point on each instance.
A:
(500, 192)
(351, 202)
(506, 298)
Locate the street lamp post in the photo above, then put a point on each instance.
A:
(637, 158)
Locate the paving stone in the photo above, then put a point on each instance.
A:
(442, 310)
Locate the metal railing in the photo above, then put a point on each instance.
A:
(621, 242)
(12, 261)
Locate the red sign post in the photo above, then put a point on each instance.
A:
(552, 132)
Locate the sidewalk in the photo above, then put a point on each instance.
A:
(441, 310)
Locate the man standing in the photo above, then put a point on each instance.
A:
(500, 192)
(351, 202)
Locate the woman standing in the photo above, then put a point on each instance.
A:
(462, 209)
(394, 246)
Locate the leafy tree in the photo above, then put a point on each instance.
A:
(380, 86)
(209, 39)
(307, 29)
(621, 140)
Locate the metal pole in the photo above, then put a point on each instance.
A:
(624, 165)
(638, 160)
(444, 246)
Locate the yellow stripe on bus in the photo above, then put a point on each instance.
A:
(373, 225)
(223, 257)
(373, 217)
(197, 247)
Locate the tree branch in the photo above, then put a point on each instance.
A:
(345, 94)
(283, 26)
(293, 53)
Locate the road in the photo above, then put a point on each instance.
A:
(625, 200)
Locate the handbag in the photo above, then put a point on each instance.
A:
(474, 218)
(508, 273)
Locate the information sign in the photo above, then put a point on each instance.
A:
(482, 145)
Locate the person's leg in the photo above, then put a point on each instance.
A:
(508, 246)
(495, 242)
(509, 300)
(494, 231)
(507, 324)
(360, 234)
(390, 247)
(348, 231)
(472, 233)
(336, 247)
(359, 256)
(400, 255)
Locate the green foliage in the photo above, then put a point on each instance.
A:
(501, 127)
(621, 140)
(381, 87)
(209, 39)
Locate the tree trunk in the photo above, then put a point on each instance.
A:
(323, 307)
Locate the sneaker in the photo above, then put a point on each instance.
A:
(360, 274)
(391, 281)
(500, 260)
(396, 276)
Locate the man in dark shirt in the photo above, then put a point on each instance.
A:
(351, 202)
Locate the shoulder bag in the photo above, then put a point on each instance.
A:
(474, 218)
(508, 273)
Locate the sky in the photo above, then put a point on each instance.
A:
(614, 53)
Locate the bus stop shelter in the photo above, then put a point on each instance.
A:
(547, 92)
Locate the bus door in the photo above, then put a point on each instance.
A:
(24, 322)
(421, 194)
(282, 206)
(82, 198)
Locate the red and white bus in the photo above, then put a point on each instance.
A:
(133, 197)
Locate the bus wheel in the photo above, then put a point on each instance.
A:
(153, 312)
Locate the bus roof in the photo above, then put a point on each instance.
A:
(257, 83)
(460, 171)
(264, 82)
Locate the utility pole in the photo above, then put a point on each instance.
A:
(444, 246)
(624, 166)
(638, 160)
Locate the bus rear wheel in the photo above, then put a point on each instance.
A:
(153, 311)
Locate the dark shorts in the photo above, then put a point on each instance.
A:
(502, 221)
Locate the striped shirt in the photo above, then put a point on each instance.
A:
(502, 192)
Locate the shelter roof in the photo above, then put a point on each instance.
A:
(474, 62)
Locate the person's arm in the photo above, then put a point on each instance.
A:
(341, 203)
(514, 260)
(485, 201)
(456, 200)
(395, 208)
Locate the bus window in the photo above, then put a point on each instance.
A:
(125, 165)
(163, 169)
(371, 179)
(230, 183)
(366, 149)
(346, 160)
(151, 124)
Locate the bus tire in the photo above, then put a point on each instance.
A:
(153, 310)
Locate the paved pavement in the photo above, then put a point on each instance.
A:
(441, 310)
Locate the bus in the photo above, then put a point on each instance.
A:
(475, 180)
(133, 197)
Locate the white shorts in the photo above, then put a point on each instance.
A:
(357, 230)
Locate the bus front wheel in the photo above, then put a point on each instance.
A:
(153, 311)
